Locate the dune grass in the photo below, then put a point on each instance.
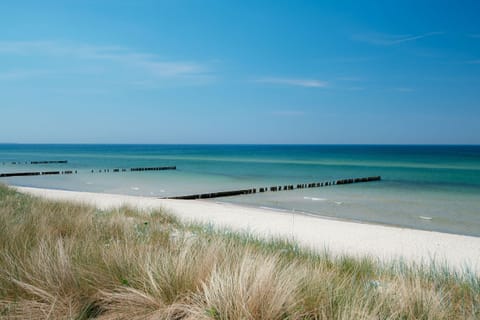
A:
(66, 261)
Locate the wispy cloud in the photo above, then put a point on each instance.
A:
(474, 35)
(55, 48)
(474, 61)
(151, 63)
(310, 83)
(20, 74)
(390, 39)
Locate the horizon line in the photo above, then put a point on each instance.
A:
(242, 144)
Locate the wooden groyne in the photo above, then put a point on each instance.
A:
(36, 162)
(215, 194)
(138, 169)
(43, 173)
(39, 173)
(154, 168)
(275, 188)
(48, 161)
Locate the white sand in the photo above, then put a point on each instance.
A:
(339, 237)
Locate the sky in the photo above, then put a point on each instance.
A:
(246, 72)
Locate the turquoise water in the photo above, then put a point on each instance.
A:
(425, 187)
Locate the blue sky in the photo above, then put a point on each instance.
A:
(373, 72)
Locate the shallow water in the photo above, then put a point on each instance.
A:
(426, 187)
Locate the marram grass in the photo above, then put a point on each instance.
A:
(66, 261)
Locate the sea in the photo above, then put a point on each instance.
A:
(425, 187)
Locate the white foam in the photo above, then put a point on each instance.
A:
(314, 199)
(338, 202)
(425, 218)
(273, 209)
(135, 188)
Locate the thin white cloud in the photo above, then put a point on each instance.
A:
(54, 48)
(309, 83)
(474, 61)
(390, 39)
(148, 62)
(20, 74)
(173, 68)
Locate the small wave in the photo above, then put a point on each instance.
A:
(425, 218)
(338, 202)
(274, 209)
(135, 188)
(314, 199)
(88, 182)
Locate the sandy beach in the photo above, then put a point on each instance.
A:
(338, 237)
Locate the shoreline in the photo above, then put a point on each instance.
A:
(387, 243)
(271, 208)
(325, 217)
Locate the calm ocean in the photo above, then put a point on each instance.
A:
(424, 187)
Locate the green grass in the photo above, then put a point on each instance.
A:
(66, 261)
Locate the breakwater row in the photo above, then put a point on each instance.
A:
(42, 173)
(36, 162)
(136, 169)
(275, 188)
(38, 173)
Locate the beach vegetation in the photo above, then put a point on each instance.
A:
(61, 260)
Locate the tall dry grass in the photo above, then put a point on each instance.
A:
(65, 261)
